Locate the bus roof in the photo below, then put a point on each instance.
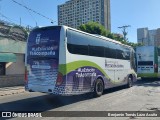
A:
(95, 35)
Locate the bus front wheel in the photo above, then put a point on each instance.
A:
(98, 88)
(130, 82)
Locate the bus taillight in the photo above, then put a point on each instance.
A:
(156, 68)
(155, 65)
(59, 79)
(26, 75)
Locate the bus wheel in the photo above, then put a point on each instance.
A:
(98, 88)
(130, 82)
(142, 78)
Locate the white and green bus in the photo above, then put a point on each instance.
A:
(65, 61)
(148, 62)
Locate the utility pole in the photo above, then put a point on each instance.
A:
(20, 21)
(0, 7)
(124, 31)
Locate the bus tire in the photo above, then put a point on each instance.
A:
(98, 88)
(130, 82)
(143, 78)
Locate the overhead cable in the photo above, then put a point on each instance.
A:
(33, 11)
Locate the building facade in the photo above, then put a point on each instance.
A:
(157, 42)
(12, 52)
(73, 13)
(142, 36)
(148, 37)
(152, 37)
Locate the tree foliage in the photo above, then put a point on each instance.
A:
(96, 28)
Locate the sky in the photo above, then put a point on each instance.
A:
(136, 13)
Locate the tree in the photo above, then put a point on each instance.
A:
(94, 28)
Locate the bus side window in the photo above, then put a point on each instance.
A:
(78, 49)
(76, 43)
(120, 54)
(96, 46)
(110, 53)
(96, 51)
(107, 52)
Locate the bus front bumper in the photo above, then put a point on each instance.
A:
(149, 75)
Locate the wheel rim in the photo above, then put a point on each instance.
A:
(99, 87)
(130, 82)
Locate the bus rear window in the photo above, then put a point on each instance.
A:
(44, 42)
(145, 63)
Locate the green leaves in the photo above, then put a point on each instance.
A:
(96, 28)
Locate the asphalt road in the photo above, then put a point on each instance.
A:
(143, 96)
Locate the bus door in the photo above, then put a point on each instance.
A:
(114, 71)
(122, 64)
(110, 55)
(120, 71)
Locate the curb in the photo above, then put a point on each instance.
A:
(11, 90)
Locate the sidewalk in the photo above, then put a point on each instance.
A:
(11, 90)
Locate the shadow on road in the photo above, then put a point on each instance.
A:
(47, 102)
(148, 82)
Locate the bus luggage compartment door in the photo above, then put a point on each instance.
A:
(43, 72)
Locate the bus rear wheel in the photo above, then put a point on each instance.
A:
(98, 88)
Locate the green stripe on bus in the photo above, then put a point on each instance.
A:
(67, 68)
(149, 75)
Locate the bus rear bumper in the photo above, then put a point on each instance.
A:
(55, 90)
